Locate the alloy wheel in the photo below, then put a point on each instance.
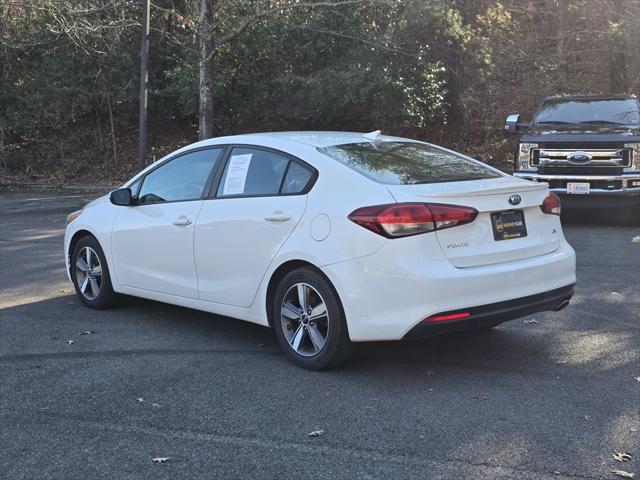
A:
(305, 320)
(88, 273)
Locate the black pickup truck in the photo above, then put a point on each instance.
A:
(587, 148)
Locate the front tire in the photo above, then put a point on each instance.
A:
(90, 274)
(309, 321)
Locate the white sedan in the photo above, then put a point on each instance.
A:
(330, 238)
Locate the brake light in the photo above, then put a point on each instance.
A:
(405, 219)
(551, 204)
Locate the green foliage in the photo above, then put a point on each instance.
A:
(69, 68)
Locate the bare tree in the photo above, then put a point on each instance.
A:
(563, 42)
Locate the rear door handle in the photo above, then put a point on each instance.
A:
(182, 221)
(278, 217)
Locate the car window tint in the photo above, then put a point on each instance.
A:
(296, 179)
(252, 172)
(182, 178)
(407, 163)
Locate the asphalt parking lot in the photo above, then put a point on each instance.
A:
(99, 394)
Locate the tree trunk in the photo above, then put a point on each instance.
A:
(563, 40)
(207, 47)
(113, 130)
(618, 50)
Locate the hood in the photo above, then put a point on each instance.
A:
(589, 134)
(97, 201)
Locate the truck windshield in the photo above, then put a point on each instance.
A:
(407, 163)
(589, 111)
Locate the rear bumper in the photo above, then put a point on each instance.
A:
(385, 295)
(601, 199)
(617, 191)
(496, 313)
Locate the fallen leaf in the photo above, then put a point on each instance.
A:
(70, 342)
(87, 332)
(160, 459)
(140, 399)
(316, 433)
(622, 473)
(615, 293)
(430, 373)
(637, 379)
(156, 405)
(531, 321)
(480, 397)
(621, 457)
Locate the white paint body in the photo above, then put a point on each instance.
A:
(222, 262)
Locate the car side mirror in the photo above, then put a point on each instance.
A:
(514, 124)
(121, 197)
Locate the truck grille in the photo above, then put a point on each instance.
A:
(579, 170)
(581, 159)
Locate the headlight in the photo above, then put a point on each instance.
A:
(524, 156)
(73, 215)
(635, 155)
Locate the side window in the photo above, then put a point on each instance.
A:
(183, 178)
(296, 179)
(134, 187)
(252, 172)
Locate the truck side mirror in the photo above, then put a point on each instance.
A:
(511, 125)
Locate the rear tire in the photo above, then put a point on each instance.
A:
(309, 322)
(90, 274)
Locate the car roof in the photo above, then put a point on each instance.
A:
(317, 139)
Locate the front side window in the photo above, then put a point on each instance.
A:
(251, 172)
(182, 178)
(407, 163)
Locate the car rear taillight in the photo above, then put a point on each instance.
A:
(405, 219)
(551, 204)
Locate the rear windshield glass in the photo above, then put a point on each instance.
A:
(405, 163)
(585, 112)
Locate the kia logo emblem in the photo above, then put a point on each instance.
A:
(515, 199)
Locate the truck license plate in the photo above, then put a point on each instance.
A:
(580, 188)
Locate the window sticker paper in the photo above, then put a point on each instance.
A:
(237, 174)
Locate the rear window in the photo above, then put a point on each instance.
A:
(406, 163)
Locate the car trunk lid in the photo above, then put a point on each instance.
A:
(474, 244)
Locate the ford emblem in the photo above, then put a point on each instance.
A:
(579, 157)
(515, 199)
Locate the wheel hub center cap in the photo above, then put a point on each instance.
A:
(305, 319)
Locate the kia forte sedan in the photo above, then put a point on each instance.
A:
(330, 238)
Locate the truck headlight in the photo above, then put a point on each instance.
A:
(524, 156)
(635, 155)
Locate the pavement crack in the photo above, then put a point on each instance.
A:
(23, 357)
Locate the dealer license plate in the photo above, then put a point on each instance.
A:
(508, 224)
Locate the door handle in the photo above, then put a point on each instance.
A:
(182, 222)
(278, 217)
